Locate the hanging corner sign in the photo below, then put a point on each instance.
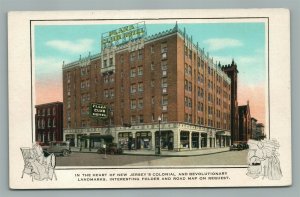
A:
(98, 110)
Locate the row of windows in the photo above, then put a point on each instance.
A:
(42, 112)
(200, 121)
(109, 93)
(136, 119)
(136, 87)
(85, 84)
(140, 103)
(50, 123)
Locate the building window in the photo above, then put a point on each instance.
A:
(132, 72)
(112, 93)
(186, 117)
(189, 70)
(152, 66)
(190, 118)
(83, 70)
(164, 73)
(49, 122)
(186, 69)
(164, 82)
(54, 122)
(186, 84)
(164, 117)
(133, 119)
(141, 119)
(140, 54)
(54, 110)
(106, 93)
(164, 50)
(111, 79)
(190, 54)
(111, 61)
(190, 86)
(39, 124)
(152, 100)
(164, 47)
(164, 100)
(48, 111)
(68, 77)
(133, 104)
(43, 123)
(140, 87)
(121, 59)
(140, 103)
(132, 56)
(133, 88)
(140, 70)
(104, 63)
(106, 79)
(152, 83)
(164, 65)
(152, 49)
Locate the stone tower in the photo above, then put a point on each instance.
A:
(232, 72)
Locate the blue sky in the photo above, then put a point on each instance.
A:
(245, 42)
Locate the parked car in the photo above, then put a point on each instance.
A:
(58, 148)
(239, 146)
(111, 149)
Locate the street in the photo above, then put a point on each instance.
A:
(94, 159)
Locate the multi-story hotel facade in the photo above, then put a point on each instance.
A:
(162, 85)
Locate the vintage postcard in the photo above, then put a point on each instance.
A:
(149, 99)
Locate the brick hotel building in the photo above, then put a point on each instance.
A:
(163, 82)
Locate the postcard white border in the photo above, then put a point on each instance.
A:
(20, 97)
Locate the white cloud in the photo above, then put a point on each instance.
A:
(216, 44)
(77, 46)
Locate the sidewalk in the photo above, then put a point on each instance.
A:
(184, 153)
(164, 153)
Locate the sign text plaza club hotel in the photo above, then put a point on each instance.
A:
(160, 85)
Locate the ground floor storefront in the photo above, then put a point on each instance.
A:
(166, 136)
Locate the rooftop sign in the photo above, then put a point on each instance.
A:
(123, 35)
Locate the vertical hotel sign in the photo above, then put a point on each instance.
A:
(123, 35)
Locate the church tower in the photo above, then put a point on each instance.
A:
(232, 72)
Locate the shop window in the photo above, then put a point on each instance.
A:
(184, 139)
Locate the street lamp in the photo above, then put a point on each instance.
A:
(159, 136)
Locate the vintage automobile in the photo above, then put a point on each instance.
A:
(58, 148)
(239, 146)
(111, 149)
